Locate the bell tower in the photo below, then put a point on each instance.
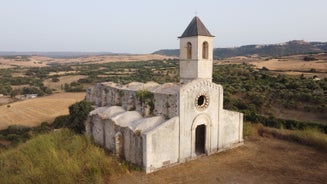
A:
(196, 52)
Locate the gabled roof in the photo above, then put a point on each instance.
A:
(196, 28)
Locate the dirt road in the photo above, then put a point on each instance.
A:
(262, 160)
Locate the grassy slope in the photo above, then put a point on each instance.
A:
(58, 157)
(34, 111)
(310, 137)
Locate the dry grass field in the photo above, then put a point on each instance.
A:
(34, 62)
(295, 65)
(259, 160)
(62, 80)
(290, 65)
(41, 61)
(32, 112)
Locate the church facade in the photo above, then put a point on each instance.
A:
(156, 126)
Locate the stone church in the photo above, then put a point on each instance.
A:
(158, 125)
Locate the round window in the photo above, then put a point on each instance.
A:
(202, 101)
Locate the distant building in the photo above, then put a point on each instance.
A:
(316, 78)
(154, 125)
(29, 96)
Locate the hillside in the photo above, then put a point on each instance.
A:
(57, 157)
(263, 158)
(272, 50)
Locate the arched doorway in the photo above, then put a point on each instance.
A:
(200, 139)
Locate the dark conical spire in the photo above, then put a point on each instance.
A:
(196, 28)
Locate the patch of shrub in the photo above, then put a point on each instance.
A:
(74, 87)
(16, 134)
(43, 128)
(78, 113)
(284, 123)
(247, 129)
(143, 95)
(55, 79)
(17, 129)
(309, 58)
(60, 122)
(58, 157)
(310, 137)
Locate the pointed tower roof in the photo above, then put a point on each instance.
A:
(196, 28)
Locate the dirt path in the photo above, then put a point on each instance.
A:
(264, 160)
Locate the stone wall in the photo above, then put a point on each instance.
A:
(151, 142)
(109, 94)
(105, 132)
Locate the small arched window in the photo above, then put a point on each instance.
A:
(188, 50)
(119, 144)
(205, 50)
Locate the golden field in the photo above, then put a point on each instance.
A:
(33, 112)
(289, 65)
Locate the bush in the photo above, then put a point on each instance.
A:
(17, 129)
(311, 136)
(55, 79)
(74, 87)
(16, 133)
(5, 89)
(247, 129)
(60, 122)
(43, 128)
(309, 58)
(143, 95)
(78, 113)
(282, 123)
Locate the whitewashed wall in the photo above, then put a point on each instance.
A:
(161, 145)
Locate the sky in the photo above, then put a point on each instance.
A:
(144, 26)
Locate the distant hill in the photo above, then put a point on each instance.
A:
(168, 52)
(56, 54)
(283, 49)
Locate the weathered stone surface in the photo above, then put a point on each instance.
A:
(165, 97)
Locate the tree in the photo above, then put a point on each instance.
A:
(60, 121)
(309, 58)
(55, 79)
(5, 89)
(78, 113)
